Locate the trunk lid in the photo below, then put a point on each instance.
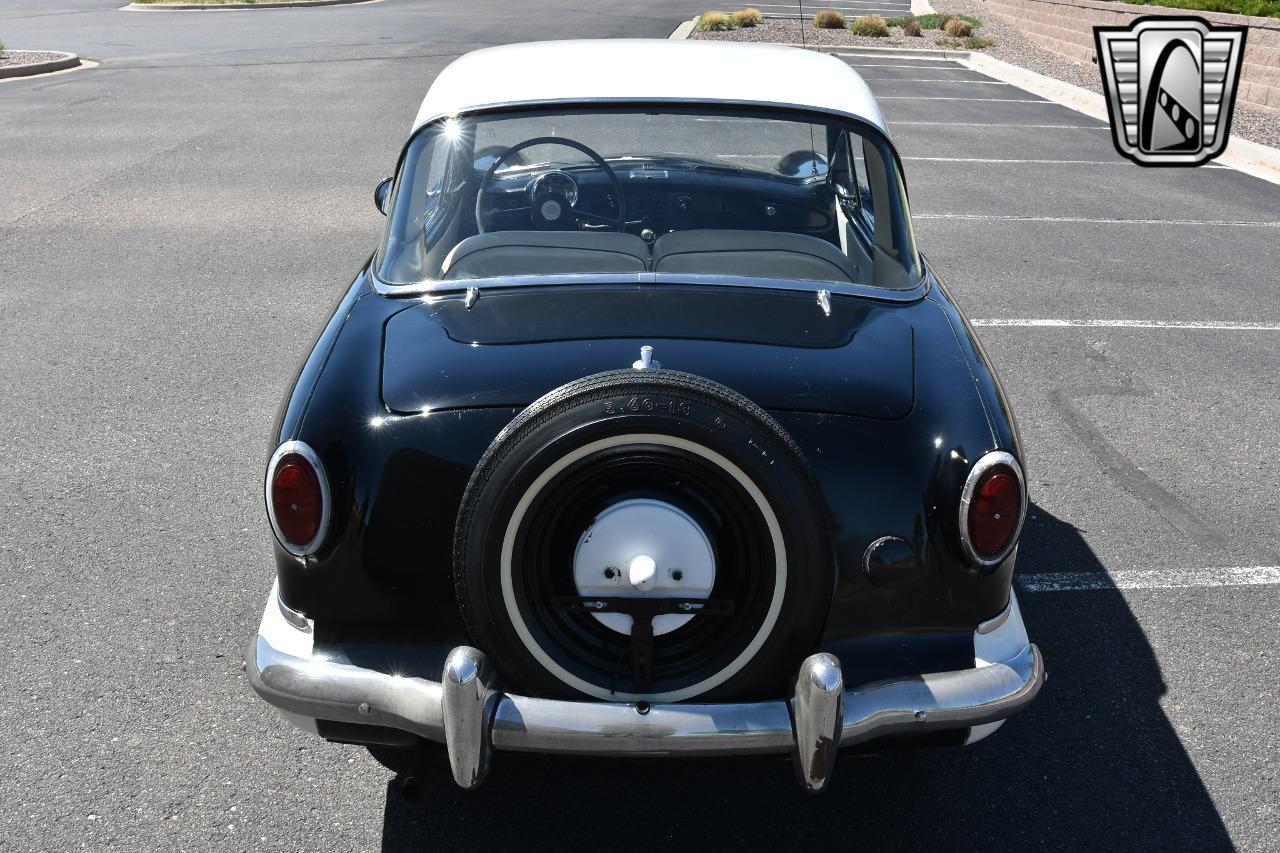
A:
(778, 348)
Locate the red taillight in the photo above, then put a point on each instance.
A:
(297, 502)
(992, 508)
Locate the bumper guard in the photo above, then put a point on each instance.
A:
(468, 713)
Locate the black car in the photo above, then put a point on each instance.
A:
(646, 431)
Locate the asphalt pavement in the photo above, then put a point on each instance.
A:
(177, 223)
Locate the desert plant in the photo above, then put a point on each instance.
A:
(957, 28)
(912, 28)
(977, 43)
(829, 19)
(870, 25)
(746, 17)
(715, 22)
(900, 20)
(934, 21)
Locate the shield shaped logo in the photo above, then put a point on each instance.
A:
(1170, 84)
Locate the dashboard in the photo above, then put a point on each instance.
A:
(665, 198)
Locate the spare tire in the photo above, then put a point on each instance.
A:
(643, 490)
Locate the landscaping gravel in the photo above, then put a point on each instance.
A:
(10, 58)
(1008, 43)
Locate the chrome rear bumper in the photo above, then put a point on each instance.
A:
(468, 714)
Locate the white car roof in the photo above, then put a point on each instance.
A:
(629, 70)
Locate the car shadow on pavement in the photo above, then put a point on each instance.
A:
(1093, 765)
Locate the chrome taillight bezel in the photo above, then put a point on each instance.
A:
(994, 459)
(299, 448)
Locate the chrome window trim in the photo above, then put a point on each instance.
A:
(986, 463)
(444, 287)
(304, 450)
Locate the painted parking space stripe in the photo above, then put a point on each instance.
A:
(1199, 325)
(998, 160)
(840, 6)
(932, 67)
(950, 80)
(1004, 124)
(1034, 99)
(1149, 579)
(1092, 220)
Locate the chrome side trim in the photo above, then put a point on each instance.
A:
(470, 717)
(987, 462)
(304, 450)
(999, 619)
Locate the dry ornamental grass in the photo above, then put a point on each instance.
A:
(714, 22)
(746, 17)
(873, 26)
(957, 28)
(829, 19)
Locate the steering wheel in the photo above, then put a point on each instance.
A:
(554, 208)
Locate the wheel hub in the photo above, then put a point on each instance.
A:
(644, 548)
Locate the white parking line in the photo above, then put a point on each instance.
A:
(1149, 579)
(994, 124)
(921, 67)
(1207, 325)
(984, 217)
(838, 5)
(1031, 100)
(936, 80)
(997, 160)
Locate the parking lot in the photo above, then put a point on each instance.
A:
(175, 225)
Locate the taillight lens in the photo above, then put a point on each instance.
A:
(297, 500)
(992, 509)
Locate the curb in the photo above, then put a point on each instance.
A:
(885, 52)
(682, 31)
(68, 60)
(234, 7)
(1252, 158)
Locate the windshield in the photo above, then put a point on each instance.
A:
(680, 192)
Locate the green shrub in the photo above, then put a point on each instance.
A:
(977, 43)
(957, 28)
(714, 22)
(870, 25)
(935, 21)
(1260, 8)
(829, 19)
(901, 20)
(746, 17)
(912, 28)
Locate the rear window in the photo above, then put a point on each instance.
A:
(676, 192)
